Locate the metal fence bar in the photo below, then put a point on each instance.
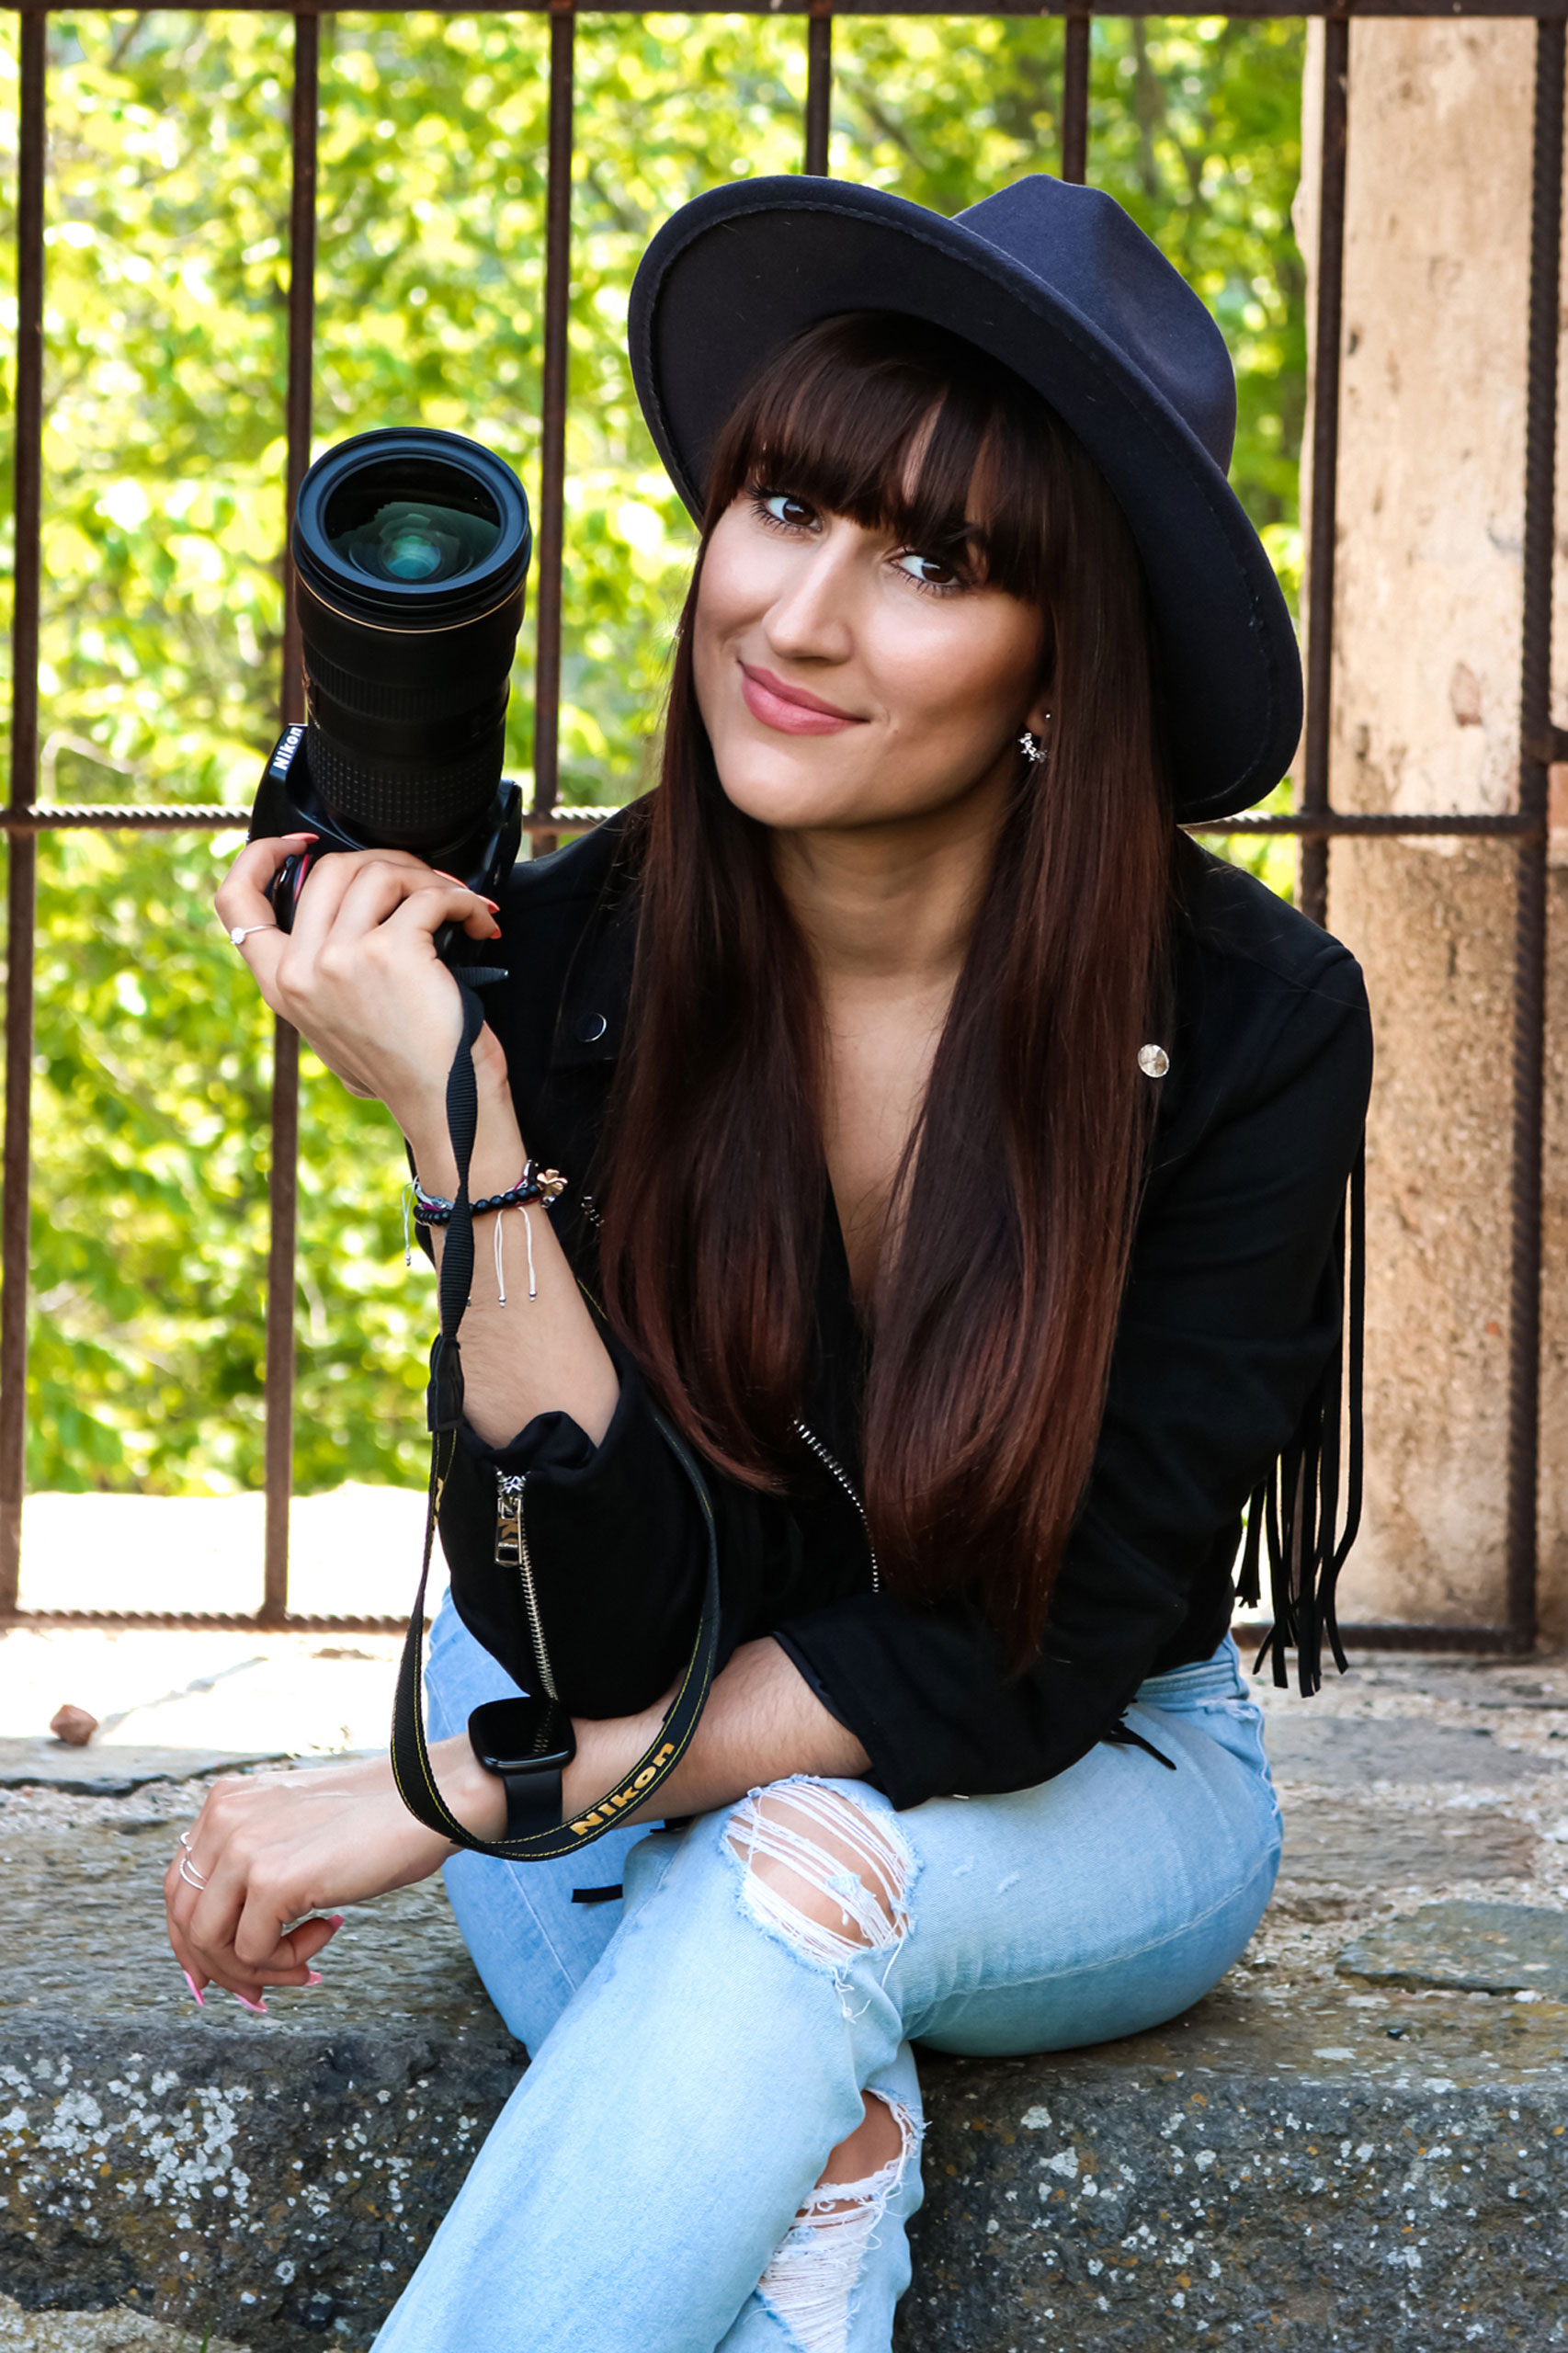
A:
(1382, 826)
(304, 121)
(552, 417)
(283, 1207)
(1312, 862)
(819, 86)
(202, 817)
(1244, 11)
(1075, 97)
(21, 886)
(283, 1174)
(196, 817)
(205, 1622)
(1529, 944)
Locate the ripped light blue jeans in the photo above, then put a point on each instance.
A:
(701, 2046)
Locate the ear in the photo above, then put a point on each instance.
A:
(1038, 722)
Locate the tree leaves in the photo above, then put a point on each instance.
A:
(166, 345)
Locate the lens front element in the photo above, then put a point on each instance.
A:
(415, 520)
(403, 542)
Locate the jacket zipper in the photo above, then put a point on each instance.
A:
(831, 1462)
(512, 1542)
(512, 1552)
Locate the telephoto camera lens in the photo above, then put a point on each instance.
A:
(411, 548)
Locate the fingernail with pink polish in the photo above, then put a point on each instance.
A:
(258, 2009)
(197, 1996)
(335, 1922)
(314, 1977)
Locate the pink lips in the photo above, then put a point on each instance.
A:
(791, 708)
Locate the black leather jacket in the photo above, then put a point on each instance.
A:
(1231, 1311)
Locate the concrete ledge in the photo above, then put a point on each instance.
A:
(278, 2183)
(1347, 2146)
(1222, 2179)
(279, 2194)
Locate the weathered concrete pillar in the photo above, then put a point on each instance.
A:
(1426, 710)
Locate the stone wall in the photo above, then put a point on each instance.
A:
(1426, 672)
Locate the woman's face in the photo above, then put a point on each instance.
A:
(846, 680)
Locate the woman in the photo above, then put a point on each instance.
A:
(956, 1155)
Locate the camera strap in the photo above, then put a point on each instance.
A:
(411, 1765)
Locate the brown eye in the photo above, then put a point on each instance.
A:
(782, 507)
(927, 571)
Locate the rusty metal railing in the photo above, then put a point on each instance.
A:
(1315, 822)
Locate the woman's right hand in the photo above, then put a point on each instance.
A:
(278, 1848)
(359, 978)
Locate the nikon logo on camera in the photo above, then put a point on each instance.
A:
(607, 1808)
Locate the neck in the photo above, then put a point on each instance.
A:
(895, 902)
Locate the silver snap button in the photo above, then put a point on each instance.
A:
(1153, 1060)
(592, 1027)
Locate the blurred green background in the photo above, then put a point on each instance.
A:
(165, 329)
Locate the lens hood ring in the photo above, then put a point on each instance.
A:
(412, 629)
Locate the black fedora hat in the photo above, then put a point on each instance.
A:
(1059, 284)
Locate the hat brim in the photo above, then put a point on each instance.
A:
(740, 270)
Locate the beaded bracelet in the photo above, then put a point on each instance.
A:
(535, 1183)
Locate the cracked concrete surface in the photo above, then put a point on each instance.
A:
(110, 2332)
(1328, 2158)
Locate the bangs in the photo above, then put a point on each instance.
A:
(904, 428)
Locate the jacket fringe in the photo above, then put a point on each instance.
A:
(1296, 1508)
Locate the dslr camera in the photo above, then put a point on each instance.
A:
(411, 552)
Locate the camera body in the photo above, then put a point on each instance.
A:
(411, 552)
(288, 801)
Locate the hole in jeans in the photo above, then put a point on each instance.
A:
(828, 1877)
(811, 2282)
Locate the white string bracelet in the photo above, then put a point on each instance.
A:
(500, 1268)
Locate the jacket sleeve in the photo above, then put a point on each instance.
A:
(615, 1551)
(1231, 1311)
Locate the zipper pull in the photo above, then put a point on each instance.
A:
(509, 1519)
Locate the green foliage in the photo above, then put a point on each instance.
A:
(1193, 126)
(166, 332)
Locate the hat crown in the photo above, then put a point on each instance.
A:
(1080, 242)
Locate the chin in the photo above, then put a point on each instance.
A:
(777, 794)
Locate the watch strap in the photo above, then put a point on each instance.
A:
(533, 1801)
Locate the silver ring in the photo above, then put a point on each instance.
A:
(242, 932)
(185, 1842)
(189, 1873)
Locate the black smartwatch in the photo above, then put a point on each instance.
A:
(528, 1744)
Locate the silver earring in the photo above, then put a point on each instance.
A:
(1033, 748)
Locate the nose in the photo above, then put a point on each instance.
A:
(810, 619)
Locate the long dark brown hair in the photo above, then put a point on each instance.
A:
(997, 1296)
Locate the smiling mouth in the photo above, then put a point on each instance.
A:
(790, 710)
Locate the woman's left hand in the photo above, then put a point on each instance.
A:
(289, 1846)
